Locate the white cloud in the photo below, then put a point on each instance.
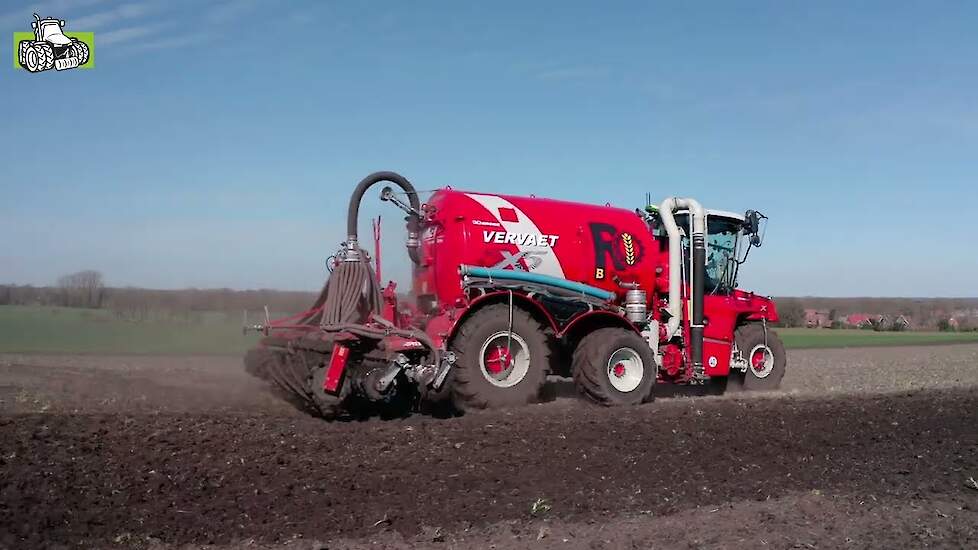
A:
(228, 11)
(126, 34)
(172, 42)
(120, 13)
(581, 72)
(22, 17)
(301, 17)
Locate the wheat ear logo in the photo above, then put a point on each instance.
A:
(50, 47)
(629, 248)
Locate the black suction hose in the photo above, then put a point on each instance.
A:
(351, 300)
(352, 296)
(413, 226)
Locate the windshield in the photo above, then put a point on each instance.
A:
(723, 240)
(49, 28)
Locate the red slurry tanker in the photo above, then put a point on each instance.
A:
(507, 290)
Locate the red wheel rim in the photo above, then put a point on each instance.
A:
(757, 360)
(504, 359)
(618, 370)
(761, 361)
(498, 359)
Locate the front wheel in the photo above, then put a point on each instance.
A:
(764, 356)
(31, 60)
(502, 355)
(614, 366)
(22, 49)
(44, 56)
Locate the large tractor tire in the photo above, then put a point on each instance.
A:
(22, 49)
(80, 50)
(496, 367)
(614, 366)
(32, 60)
(766, 360)
(45, 56)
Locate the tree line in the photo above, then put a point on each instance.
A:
(932, 313)
(87, 289)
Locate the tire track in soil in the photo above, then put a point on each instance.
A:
(223, 478)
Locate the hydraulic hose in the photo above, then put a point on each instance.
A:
(413, 224)
(352, 294)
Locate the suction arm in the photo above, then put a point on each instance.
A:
(414, 224)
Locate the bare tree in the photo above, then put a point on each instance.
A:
(791, 311)
(82, 289)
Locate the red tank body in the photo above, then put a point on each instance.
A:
(579, 242)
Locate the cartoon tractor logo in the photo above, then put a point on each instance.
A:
(51, 48)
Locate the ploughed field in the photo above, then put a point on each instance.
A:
(863, 448)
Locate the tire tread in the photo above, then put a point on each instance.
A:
(589, 362)
(466, 377)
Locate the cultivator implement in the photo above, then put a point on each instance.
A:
(345, 353)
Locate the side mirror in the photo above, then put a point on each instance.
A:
(62, 22)
(752, 222)
(34, 25)
(752, 226)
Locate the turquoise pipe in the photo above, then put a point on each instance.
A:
(527, 277)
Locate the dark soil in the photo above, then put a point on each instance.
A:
(123, 479)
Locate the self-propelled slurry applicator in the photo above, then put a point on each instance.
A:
(507, 290)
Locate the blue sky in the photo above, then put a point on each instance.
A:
(216, 144)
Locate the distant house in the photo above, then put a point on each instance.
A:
(860, 320)
(817, 318)
(877, 321)
(964, 318)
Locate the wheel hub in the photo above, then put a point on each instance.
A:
(761, 361)
(498, 360)
(618, 370)
(625, 370)
(504, 359)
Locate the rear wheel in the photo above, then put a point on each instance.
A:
(614, 366)
(80, 50)
(495, 366)
(765, 357)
